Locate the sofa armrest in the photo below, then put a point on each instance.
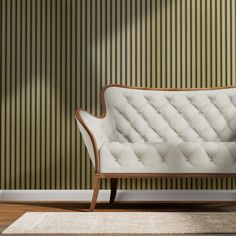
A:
(95, 131)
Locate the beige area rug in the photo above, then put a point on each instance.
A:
(123, 223)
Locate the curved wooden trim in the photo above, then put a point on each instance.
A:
(103, 114)
(166, 89)
(94, 142)
(96, 188)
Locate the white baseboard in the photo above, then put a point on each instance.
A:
(122, 195)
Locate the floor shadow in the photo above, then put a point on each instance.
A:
(127, 206)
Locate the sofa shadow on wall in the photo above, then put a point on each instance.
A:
(56, 56)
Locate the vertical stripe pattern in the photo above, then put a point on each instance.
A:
(55, 55)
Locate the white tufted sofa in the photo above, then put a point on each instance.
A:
(160, 132)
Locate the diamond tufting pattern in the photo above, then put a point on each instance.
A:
(212, 157)
(173, 116)
(166, 131)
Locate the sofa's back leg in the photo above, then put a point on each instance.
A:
(114, 184)
(96, 188)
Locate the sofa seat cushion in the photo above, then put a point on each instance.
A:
(168, 157)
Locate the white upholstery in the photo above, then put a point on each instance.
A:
(200, 157)
(165, 131)
(102, 129)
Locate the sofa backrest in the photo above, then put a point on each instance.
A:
(146, 115)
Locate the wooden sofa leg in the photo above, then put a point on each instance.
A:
(114, 184)
(96, 188)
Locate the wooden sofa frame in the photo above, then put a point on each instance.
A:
(115, 176)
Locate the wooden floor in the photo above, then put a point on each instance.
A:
(9, 212)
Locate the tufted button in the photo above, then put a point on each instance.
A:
(189, 124)
(212, 99)
(162, 159)
(139, 159)
(115, 159)
(210, 158)
(186, 159)
(201, 114)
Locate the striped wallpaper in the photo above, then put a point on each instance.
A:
(55, 55)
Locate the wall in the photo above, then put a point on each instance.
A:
(57, 54)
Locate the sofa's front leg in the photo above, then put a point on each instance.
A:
(114, 184)
(96, 188)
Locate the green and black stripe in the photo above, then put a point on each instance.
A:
(55, 55)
